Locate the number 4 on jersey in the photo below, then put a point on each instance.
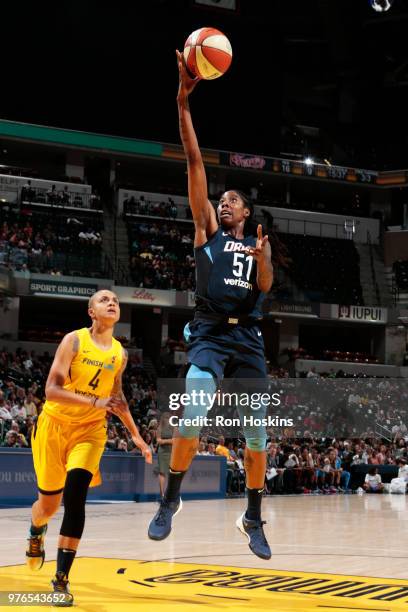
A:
(94, 382)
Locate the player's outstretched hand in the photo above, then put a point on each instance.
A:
(259, 251)
(144, 449)
(186, 83)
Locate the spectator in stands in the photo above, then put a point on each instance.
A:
(11, 440)
(372, 457)
(142, 205)
(21, 440)
(52, 195)
(64, 196)
(173, 210)
(399, 429)
(95, 200)
(5, 413)
(27, 192)
(202, 448)
(113, 439)
(403, 469)
(18, 410)
(401, 451)
(147, 437)
(372, 483)
(222, 450)
(122, 445)
(308, 477)
(274, 471)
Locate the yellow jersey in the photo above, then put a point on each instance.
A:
(223, 452)
(92, 373)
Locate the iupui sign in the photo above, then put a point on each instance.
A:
(370, 314)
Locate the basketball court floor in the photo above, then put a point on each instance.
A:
(340, 552)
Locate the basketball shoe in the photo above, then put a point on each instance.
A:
(60, 585)
(35, 553)
(160, 525)
(257, 541)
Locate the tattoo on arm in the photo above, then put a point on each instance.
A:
(75, 344)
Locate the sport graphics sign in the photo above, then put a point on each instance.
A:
(62, 288)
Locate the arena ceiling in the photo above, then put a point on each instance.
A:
(326, 78)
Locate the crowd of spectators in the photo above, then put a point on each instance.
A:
(60, 197)
(153, 208)
(299, 460)
(309, 465)
(161, 256)
(60, 244)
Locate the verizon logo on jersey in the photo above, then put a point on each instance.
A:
(234, 246)
(237, 282)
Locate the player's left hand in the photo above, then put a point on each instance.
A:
(259, 251)
(145, 450)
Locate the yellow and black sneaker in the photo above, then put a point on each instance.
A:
(63, 596)
(35, 553)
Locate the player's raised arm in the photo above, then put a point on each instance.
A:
(203, 212)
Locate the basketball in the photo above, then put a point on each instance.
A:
(207, 53)
(381, 6)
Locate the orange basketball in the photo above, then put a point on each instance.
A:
(207, 53)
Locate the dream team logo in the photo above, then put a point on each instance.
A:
(234, 246)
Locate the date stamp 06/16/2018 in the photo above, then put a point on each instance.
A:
(33, 598)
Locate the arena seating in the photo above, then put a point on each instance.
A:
(52, 242)
(326, 269)
(331, 355)
(299, 461)
(161, 255)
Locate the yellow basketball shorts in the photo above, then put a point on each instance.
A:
(59, 447)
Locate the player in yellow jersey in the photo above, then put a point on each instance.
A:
(84, 383)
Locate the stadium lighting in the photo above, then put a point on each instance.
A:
(308, 161)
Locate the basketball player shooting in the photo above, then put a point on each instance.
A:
(84, 384)
(233, 273)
